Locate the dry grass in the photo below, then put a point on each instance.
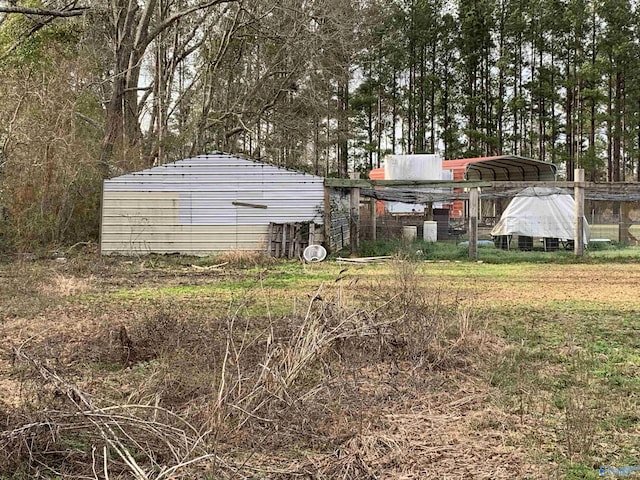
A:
(138, 441)
(61, 285)
(353, 385)
(244, 259)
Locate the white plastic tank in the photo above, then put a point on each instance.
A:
(410, 232)
(413, 167)
(430, 231)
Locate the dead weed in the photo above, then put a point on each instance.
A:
(61, 285)
(372, 389)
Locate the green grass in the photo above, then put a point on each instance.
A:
(452, 251)
(416, 250)
(581, 472)
(578, 363)
(615, 253)
(568, 370)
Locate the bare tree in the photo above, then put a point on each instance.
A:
(134, 28)
(269, 84)
(239, 75)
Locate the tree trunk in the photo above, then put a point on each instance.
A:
(343, 128)
(617, 128)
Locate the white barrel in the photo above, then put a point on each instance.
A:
(409, 232)
(430, 231)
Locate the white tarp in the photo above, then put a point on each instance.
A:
(546, 212)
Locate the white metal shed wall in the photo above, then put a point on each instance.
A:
(188, 206)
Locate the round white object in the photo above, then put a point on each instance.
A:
(314, 253)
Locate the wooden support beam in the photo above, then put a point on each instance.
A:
(283, 249)
(292, 239)
(270, 244)
(624, 224)
(474, 200)
(364, 183)
(327, 219)
(374, 218)
(312, 234)
(354, 219)
(618, 187)
(578, 241)
(428, 211)
(277, 240)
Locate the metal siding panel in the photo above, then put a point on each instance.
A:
(194, 240)
(149, 211)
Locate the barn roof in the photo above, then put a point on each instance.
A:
(200, 168)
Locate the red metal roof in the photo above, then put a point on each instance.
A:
(496, 168)
(500, 168)
(463, 162)
(376, 174)
(460, 163)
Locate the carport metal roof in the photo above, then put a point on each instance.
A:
(503, 168)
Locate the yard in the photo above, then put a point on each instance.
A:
(243, 367)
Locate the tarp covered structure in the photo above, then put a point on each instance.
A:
(546, 212)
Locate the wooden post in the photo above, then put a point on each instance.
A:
(474, 197)
(354, 219)
(327, 218)
(283, 250)
(624, 224)
(312, 234)
(429, 211)
(373, 215)
(270, 238)
(354, 215)
(294, 240)
(578, 241)
(277, 240)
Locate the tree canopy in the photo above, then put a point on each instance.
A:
(94, 89)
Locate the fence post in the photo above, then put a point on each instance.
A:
(354, 215)
(474, 197)
(624, 224)
(373, 215)
(578, 187)
(327, 218)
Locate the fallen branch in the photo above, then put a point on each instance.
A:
(365, 259)
(119, 427)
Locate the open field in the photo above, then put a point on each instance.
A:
(241, 367)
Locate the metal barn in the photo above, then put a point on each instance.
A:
(210, 203)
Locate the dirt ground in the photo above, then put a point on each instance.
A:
(372, 405)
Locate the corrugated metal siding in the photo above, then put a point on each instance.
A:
(187, 206)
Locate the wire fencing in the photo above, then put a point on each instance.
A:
(526, 218)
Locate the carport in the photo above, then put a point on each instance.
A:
(501, 168)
